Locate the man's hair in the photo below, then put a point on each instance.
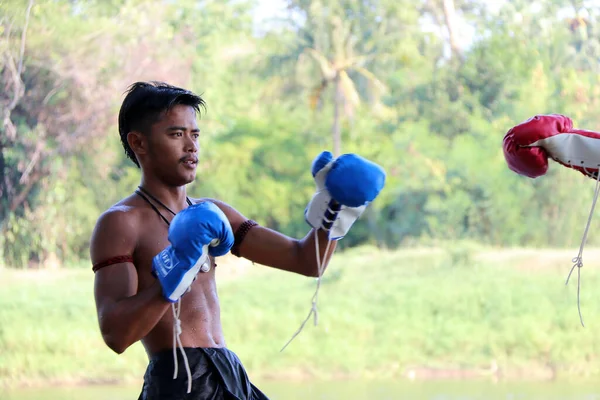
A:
(144, 104)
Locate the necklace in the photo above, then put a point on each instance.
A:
(141, 189)
(205, 267)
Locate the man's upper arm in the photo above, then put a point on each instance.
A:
(113, 242)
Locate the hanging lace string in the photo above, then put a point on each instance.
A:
(321, 263)
(177, 344)
(578, 261)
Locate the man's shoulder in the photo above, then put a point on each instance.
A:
(117, 231)
(125, 213)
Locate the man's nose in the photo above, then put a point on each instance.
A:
(191, 144)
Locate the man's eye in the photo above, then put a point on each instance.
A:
(196, 135)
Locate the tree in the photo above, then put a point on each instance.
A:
(64, 65)
(333, 55)
(12, 58)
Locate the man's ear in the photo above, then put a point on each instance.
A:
(137, 142)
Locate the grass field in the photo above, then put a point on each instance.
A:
(447, 312)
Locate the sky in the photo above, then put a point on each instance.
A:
(266, 10)
(269, 8)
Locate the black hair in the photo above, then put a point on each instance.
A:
(144, 104)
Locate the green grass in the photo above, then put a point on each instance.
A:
(381, 315)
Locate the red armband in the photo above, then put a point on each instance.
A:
(240, 234)
(112, 261)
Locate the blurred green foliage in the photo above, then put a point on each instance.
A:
(381, 77)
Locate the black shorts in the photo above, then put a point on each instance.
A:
(217, 373)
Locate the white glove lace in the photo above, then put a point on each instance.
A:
(177, 344)
(321, 263)
(578, 261)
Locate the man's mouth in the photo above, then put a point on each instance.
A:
(191, 162)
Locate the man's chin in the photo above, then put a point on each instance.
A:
(184, 179)
(188, 179)
(191, 177)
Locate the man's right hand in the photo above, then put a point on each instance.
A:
(194, 233)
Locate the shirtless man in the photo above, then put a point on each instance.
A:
(134, 300)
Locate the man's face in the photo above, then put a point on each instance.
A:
(173, 146)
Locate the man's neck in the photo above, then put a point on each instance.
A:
(173, 197)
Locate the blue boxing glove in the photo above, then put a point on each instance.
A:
(195, 233)
(345, 187)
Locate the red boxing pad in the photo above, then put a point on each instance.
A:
(522, 152)
(528, 146)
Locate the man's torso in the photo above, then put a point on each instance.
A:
(200, 310)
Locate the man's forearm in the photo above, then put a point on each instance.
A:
(130, 319)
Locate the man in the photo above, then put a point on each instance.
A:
(137, 242)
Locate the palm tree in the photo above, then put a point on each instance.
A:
(336, 64)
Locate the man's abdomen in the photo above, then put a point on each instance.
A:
(199, 317)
